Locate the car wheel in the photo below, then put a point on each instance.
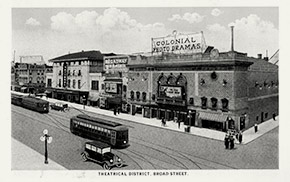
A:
(84, 157)
(106, 166)
(119, 165)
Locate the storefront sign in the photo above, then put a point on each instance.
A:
(172, 92)
(111, 88)
(64, 83)
(179, 43)
(115, 63)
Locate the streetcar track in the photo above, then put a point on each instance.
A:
(131, 159)
(187, 154)
(164, 154)
(142, 157)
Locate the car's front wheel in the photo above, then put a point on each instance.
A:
(84, 156)
(106, 166)
(119, 165)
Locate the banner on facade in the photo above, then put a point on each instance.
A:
(172, 92)
(111, 88)
(179, 44)
(115, 63)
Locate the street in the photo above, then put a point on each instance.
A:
(150, 147)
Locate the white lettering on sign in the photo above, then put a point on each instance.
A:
(171, 91)
(115, 63)
(181, 43)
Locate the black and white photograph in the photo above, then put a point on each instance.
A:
(144, 91)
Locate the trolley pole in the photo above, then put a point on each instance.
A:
(46, 139)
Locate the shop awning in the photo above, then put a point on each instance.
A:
(213, 117)
(94, 99)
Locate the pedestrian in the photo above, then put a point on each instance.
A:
(162, 121)
(119, 110)
(256, 127)
(115, 111)
(240, 137)
(175, 119)
(178, 122)
(232, 142)
(227, 141)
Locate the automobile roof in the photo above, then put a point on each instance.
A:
(99, 144)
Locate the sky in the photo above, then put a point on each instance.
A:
(52, 32)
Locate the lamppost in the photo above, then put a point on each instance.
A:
(46, 139)
(84, 99)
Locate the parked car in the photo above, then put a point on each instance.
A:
(59, 106)
(101, 153)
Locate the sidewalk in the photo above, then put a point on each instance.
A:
(25, 158)
(248, 135)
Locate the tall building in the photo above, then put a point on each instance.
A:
(77, 77)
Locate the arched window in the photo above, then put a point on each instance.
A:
(181, 80)
(225, 104)
(162, 80)
(213, 103)
(144, 96)
(171, 80)
(68, 83)
(68, 74)
(203, 102)
(59, 82)
(138, 95)
(132, 95)
(80, 73)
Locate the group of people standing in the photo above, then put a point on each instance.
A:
(117, 110)
(230, 139)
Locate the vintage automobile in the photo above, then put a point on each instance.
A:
(59, 106)
(100, 153)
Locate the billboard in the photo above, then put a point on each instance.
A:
(179, 43)
(115, 63)
(170, 91)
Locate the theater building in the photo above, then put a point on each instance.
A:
(115, 83)
(208, 89)
(77, 76)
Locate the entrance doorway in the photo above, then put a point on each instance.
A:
(213, 125)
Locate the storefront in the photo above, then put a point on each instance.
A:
(214, 121)
(70, 95)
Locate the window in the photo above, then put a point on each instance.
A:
(213, 103)
(266, 115)
(59, 72)
(144, 96)
(73, 72)
(103, 86)
(74, 84)
(191, 101)
(138, 95)
(124, 88)
(203, 102)
(80, 63)
(95, 85)
(80, 73)
(79, 84)
(132, 95)
(225, 104)
(68, 83)
(59, 82)
(257, 118)
(68, 74)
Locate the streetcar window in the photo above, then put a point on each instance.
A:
(94, 148)
(99, 150)
(105, 130)
(109, 131)
(88, 146)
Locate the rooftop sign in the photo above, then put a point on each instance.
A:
(179, 43)
(115, 63)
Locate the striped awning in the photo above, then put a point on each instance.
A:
(213, 117)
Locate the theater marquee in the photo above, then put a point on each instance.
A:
(179, 43)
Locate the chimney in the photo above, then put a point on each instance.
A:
(232, 42)
(259, 56)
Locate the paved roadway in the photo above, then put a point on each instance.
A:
(151, 147)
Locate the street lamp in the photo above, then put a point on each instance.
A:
(84, 99)
(46, 139)
(189, 119)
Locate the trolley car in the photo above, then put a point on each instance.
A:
(100, 129)
(32, 103)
